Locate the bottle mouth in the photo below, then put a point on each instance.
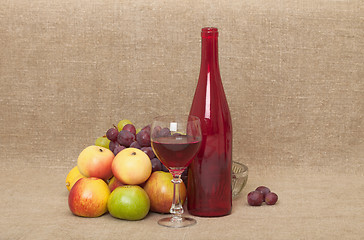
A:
(209, 32)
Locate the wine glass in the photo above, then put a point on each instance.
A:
(176, 140)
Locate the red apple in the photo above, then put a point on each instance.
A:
(160, 191)
(88, 197)
(114, 183)
(95, 161)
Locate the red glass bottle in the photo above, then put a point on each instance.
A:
(209, 176)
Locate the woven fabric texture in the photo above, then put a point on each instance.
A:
(292, 72)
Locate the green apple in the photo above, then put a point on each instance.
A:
(129, 202)
(102, 142)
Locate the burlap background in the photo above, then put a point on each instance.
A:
(292, 72)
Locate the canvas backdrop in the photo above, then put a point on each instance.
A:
(292, 72)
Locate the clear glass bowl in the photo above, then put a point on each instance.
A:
(239, 178)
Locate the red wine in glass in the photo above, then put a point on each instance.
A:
(176, 151)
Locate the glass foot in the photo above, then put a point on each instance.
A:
(175, 222)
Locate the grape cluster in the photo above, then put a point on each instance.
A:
(129, 137)
(260, 195)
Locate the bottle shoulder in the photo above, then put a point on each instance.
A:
(213, 112)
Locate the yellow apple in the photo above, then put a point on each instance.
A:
(95, 161)
(131, 166)
(72, 177)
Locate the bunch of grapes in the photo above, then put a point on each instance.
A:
(129, 136)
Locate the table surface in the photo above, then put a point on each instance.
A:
(314, 203)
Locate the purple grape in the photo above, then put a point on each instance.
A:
(156, 131)
(156, 164)
(113, 145)
(143, 138)
(185, 172)
(118, 149)
(184, 176)
(148, 151)
(125, 138)
(164, 168)
(271, 198)
(164, 132)
(112, 134)
(130, 128)
(264, 190)
(255, 198)
(135, 144)
(147, 128)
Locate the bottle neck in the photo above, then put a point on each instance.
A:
(209, 49)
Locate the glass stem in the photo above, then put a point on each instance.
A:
(176, 208)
